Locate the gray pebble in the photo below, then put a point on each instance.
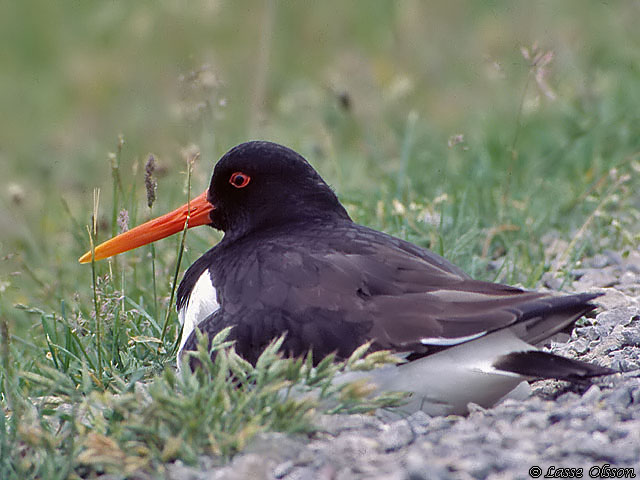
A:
(619, 398)
(334, 424)
(283, 469)
(396, 435)
(592, 395)
(631, 337)
(580, 346)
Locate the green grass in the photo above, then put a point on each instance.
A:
(128, 425)
(374, 94)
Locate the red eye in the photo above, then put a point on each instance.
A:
(239, 179)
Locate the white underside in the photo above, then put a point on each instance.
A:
(446, 382)
(203, 301)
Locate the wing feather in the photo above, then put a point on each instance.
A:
(334, 295)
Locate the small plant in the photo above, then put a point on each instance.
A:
(135, 426)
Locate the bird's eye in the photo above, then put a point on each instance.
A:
(239, 179)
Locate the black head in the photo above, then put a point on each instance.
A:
(262, 184)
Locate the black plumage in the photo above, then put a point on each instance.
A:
(292, 261)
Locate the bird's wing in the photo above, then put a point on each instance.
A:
(335, 297)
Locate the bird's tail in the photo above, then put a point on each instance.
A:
(537, 365)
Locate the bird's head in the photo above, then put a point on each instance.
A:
(263, 184)
(255, 185)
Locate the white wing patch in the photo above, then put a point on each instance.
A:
(203, 301)
(447, 342)
(463, 296)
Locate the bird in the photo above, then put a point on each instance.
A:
(292, 261)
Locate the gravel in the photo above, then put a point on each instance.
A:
(557, 426)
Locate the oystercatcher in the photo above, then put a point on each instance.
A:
(291, 260)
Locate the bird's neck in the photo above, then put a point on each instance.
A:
(286, 221)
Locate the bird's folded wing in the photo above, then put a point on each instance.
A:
(379, 291)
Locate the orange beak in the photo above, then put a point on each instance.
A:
(196, 213)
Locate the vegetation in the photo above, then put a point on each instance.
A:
(503, 135)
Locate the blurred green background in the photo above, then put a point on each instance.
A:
(373, 93)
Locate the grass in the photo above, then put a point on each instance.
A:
(433, 123)
(130, 426)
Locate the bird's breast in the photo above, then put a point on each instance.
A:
(202, 302)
